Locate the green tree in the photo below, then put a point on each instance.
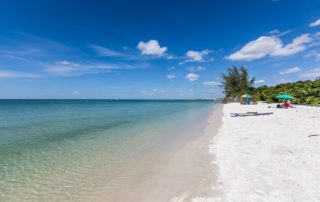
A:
(237, 82)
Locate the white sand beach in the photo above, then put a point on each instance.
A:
(268, 158)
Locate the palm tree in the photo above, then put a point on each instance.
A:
(237, 82)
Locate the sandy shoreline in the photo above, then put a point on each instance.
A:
(199, 179)
(183, 174)
(189, 174)
(268, 158)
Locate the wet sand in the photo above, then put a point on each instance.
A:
(184, 174)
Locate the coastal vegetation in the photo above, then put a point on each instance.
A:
(304, 92)
(237, 82)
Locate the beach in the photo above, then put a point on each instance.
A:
(268, 158)
(175, 151)
(159, 101)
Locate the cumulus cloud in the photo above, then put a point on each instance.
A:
(312, 73)
(151, 47)
(197, 56)
(270, 45)
(171, 76)
(211, 83)
(290, 70)
(192, 77)
(297, 45)
(257, 49)
(315, 23)
(197, 68)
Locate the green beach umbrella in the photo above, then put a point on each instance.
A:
(284, 96)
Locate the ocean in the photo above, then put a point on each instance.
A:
(79, 150)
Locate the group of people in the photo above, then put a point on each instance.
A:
(245, 101)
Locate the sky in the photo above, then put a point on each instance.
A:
(152, 49)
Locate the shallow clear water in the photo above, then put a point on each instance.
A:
(69, 150)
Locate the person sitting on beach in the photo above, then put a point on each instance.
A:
(286, 105)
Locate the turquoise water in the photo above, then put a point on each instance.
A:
(68, 150)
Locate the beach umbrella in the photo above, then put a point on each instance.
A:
(246, 96)
(284, 96)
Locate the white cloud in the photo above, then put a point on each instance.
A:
(105, 52)
(197, 68)
(315, 23)
(211, 83)
(76, 92)
(16, 74)
(259, 81)
(270, 45)
(257, 49)
(297, 45)
(171, 76)
(312, 73)
(290, 70)
(192, 77)
(151, 47)
(34, 52)
(196, 56)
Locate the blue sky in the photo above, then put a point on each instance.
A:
(152, 49)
